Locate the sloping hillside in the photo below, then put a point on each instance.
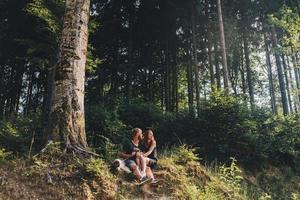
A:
(57, 176)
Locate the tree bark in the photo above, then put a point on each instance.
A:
(67, 122)
(287, 85)
(196, 62)
(190, 89)
(280, 74)
(270, 77)
(223, 46)
(292, 84)
(211, 67)
(217, 65)
(296, 73)
(248, 71)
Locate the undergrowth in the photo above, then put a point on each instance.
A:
(179, 170)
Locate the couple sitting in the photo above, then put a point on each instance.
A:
(140, 155)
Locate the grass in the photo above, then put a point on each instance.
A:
(181, 174)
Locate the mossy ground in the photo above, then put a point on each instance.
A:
(54, 175)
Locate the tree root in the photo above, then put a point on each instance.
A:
(76, 149)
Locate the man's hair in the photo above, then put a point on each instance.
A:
(135, 131)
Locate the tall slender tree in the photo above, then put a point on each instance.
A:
(223, 45)
(270, 76)
(280, 73)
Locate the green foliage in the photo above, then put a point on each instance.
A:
(209, 192)
(278, 183)
(39, 9)
(183, 154)
(98, 167)
(17, 132)
(141, 115)
(4, 155)
(231, 176)
(106, 181)
(108, 149)
(288, 20)
(103, 127)
(189, 180)
(181, 184)
(280, 140)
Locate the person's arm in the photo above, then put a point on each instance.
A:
(125, 155)
(153, 145)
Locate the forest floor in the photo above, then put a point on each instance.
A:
(54, 177)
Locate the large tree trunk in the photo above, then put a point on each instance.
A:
(66, 123)
(223, 46)
(280, 74)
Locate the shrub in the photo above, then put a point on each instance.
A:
(4, 155)
(231, 176)
(105, 183)
(183, 154)
(103, 126)
(280, 140)
(16, 133)
(141, 115)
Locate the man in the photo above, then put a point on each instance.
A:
(131, 152)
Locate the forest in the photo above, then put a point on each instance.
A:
(217, 81)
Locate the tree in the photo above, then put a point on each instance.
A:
(223, 46)
(280, 73)
(67, 122)
(270, 76)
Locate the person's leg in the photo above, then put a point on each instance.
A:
(134, 168)
(138, 161)
(149, 173)
(151, 176)
(136, 171)
(143, 164)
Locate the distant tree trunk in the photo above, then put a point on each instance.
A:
(130, 54)
(2, 91)
(190, 89)
(27, 108)
(129, 74)
(285, 70)
(248, 71)
(211, 66)
(242, 71)
(67, 123)
(270, 77)
(280, 74)
(175, 82)
(218, 73)
(296, 73)
(47, 99)
(167, 76)
(223, 46)
(167, 59)
(292, 84)
(196, 62)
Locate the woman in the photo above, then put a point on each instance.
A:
(148, 148)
